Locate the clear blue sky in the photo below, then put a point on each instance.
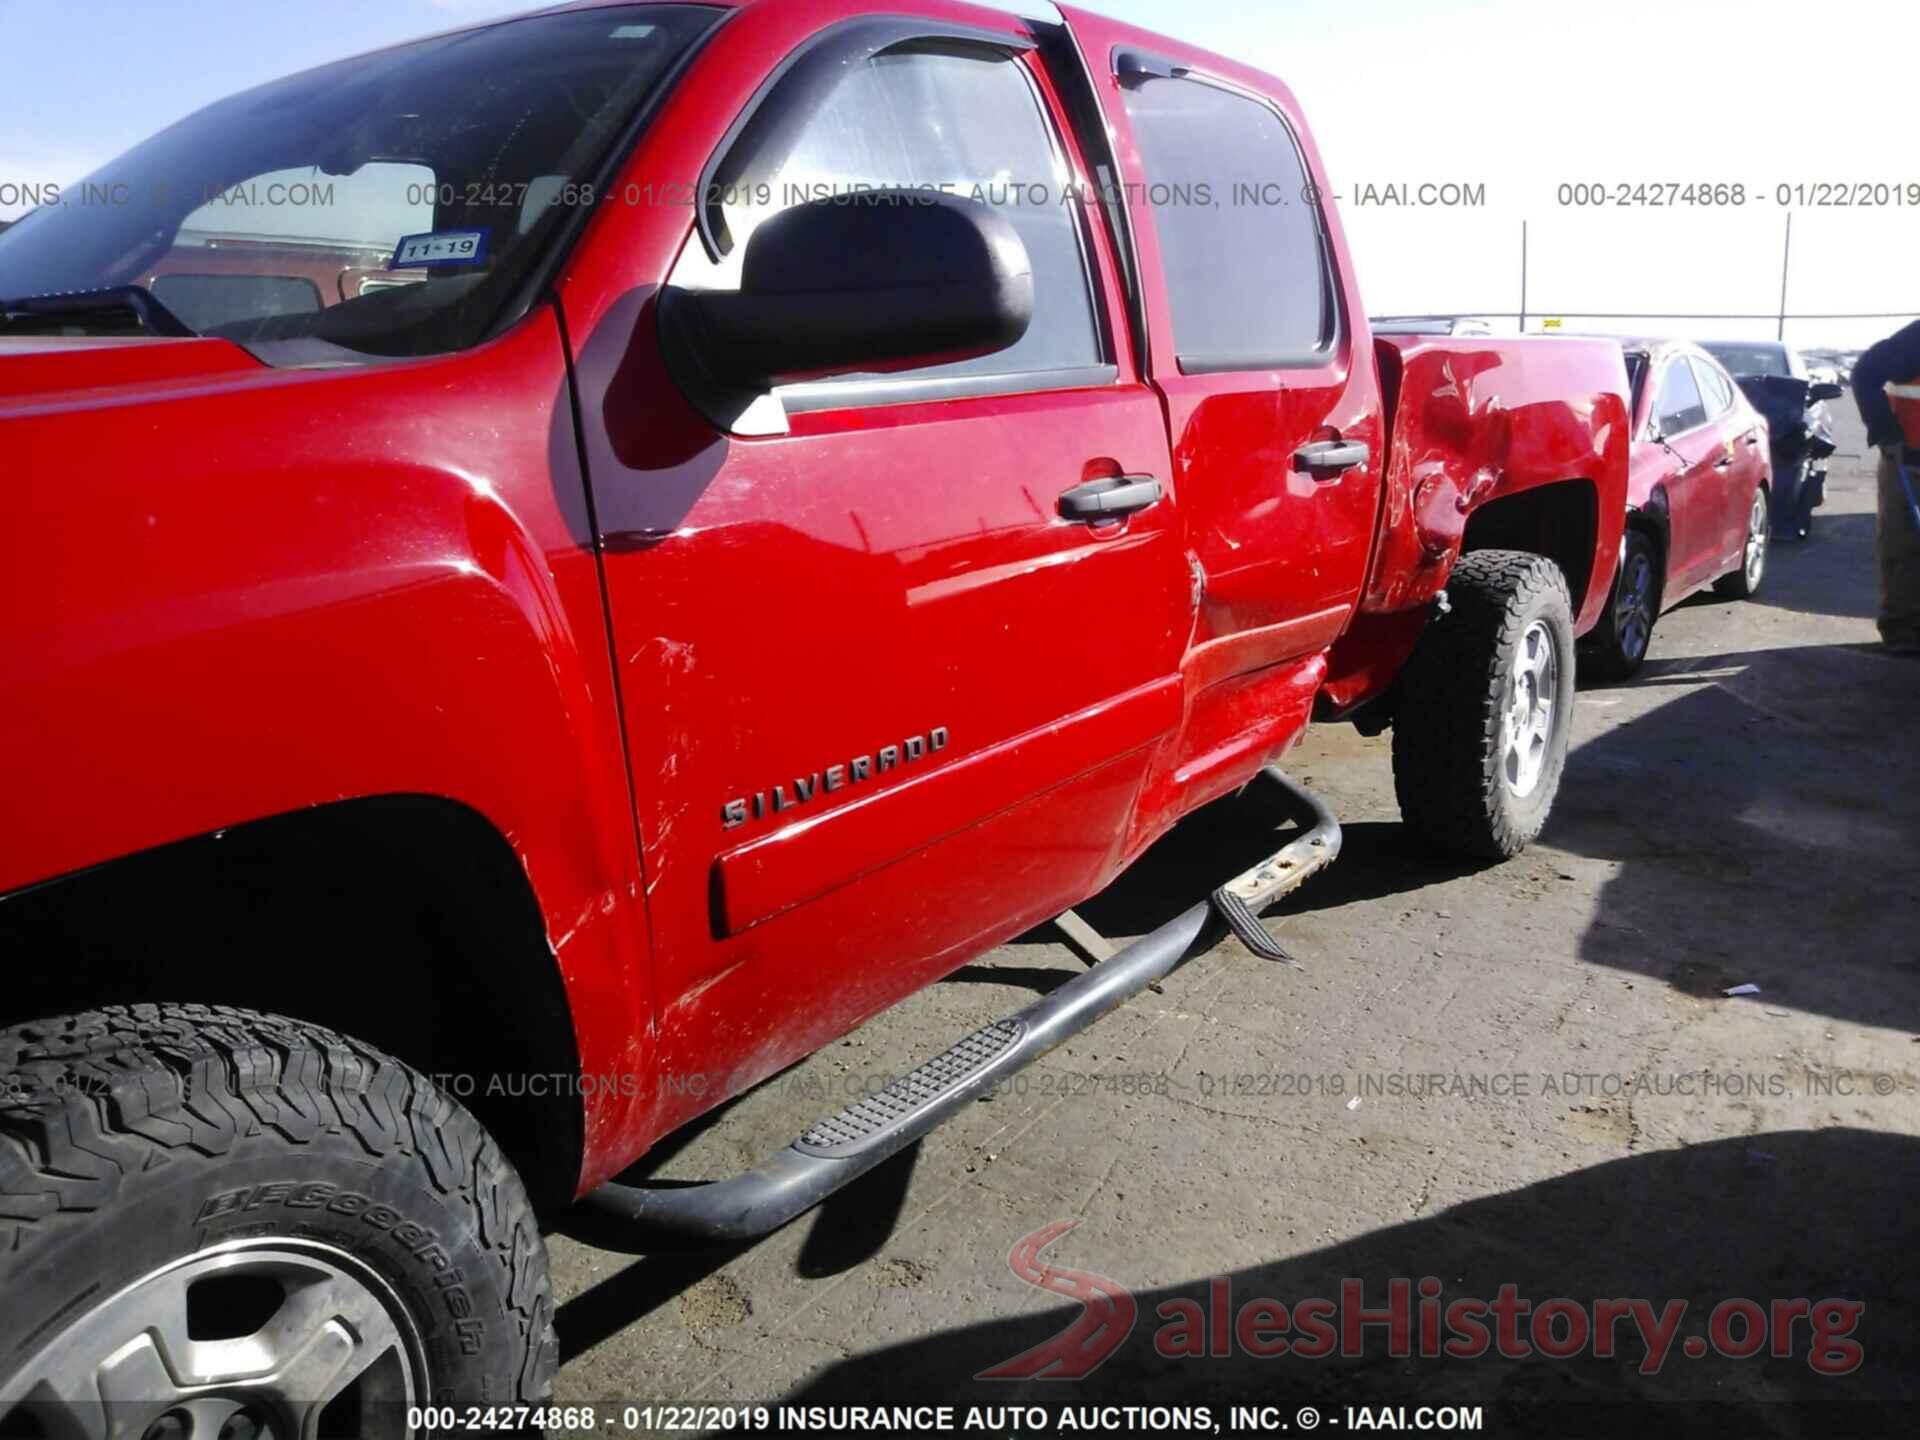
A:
(1518, 95)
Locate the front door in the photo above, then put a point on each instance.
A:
(1696, 492)
(886, 702)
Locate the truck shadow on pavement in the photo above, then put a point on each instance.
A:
(1792, 1215)
(1830, 573)
(1766, 817)
(1767, 826)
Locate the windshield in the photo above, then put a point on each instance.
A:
(1751, 359)
(392, 204)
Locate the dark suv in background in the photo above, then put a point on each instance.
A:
(1775, 378)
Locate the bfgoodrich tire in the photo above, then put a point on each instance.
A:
(1486, 703)
(205, 1209)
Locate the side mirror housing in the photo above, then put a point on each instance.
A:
(876, 281)
(1824, 390)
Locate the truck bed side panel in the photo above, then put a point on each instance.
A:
(1476, 420)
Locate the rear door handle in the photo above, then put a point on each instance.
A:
(1110, 499)
(1330, 459)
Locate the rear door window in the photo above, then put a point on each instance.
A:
(1246, 264)
(1715, 389)
(1680, 408)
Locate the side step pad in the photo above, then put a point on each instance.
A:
(870, 1119)
(838, 1150)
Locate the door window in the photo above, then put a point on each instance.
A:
(1715, 389)
(963, 119)
(1240, 240)
(1680, 407)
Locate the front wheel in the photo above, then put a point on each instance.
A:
(1486, 705)
(1743, 583)
(216, 1223)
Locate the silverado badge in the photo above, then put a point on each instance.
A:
(781, 798)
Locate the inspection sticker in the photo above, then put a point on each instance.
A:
(440, 247)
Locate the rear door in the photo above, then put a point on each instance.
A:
(886, 703)
(1271, 388)
(1741, 464)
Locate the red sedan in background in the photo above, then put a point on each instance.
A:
(1697, 498)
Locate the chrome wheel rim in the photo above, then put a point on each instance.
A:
(157, 1360)
(1633, 612)
(1526, 727)
(1758, 526)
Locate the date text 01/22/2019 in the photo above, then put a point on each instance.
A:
(1736, 194)
(1108, 1418)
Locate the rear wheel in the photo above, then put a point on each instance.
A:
(1744, 582)
(1486, 704)
(219, 1224)
(1618, 645)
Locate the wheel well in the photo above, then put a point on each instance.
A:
(1558, 520)
(403, 921)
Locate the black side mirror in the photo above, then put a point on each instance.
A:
(877, 281)
(1824, 390)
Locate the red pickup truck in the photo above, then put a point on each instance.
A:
(826, 489)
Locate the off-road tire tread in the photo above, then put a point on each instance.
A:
(88, 1099)
(1446, 731)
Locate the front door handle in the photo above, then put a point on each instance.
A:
(1330, 459)
(1111, 499)
(1725, 462)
